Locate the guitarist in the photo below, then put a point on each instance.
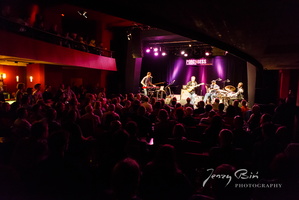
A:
(191, 85)
(147, 82)
(211, 91)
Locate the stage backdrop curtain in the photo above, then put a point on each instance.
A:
(170, 68)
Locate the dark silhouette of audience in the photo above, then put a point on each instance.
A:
(50, 150)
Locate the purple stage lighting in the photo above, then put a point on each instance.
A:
(219, 63)
(155, 49)
(156, 53)
(147, 50)
(163, 54)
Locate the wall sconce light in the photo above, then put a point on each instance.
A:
(31, 78)
(3, 76)
(17, 79)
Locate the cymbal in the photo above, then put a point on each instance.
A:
(230, 88)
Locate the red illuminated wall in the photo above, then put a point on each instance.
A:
(37, 71)
(11, 73)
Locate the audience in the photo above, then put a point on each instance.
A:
(71, 145)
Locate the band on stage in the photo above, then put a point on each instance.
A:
(213, 90)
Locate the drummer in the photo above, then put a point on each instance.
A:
(238, 95)
(240, 91)
(211, 91)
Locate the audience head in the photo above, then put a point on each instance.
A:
(268, 130)
(111, 108)
(20, 86)
(225, 137)
(162, 115)
(29, 90)
(39, 130)
(179, 131)
(22, 113)
(189, 111)
(51, 114)
(244, 102)
(238, 122)
(125, 179)
(255, 109)
(141, 111)
(132, 128)
(221, 107)
(201, 104)
(219, 186)
(58, 142)
(236, 103)
(208, 108)
(71, 115)
(37, 86)
(230, 111)
(89, 109)
(266, 118)
(165, 158)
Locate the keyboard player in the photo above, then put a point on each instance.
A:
(147, 83)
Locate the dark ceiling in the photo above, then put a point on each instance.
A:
(266, 33)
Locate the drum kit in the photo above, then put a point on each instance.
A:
(226, 94)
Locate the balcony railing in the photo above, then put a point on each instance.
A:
(12, 26)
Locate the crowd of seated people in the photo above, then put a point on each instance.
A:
(50, 32)
(74, 145)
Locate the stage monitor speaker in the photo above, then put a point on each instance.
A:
(168, 100)
(184, 95)
(177, 96)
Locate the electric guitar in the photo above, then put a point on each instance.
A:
(190, 88)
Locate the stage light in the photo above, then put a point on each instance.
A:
(17, 79)
(156, 53)
(190, 45)
(164, 54)
(207, 53)
(183, 52)
(31, 78)
(62, 15)
(156, 49)
(147, 50)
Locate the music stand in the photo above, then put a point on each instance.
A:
(168, 88)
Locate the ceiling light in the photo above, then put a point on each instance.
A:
(83, 13)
